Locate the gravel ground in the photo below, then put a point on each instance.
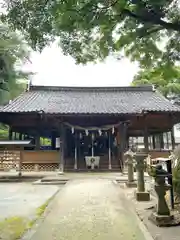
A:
(144, 210)
(22, 199)
(89, 209)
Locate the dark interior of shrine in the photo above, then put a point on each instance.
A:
(89, 143)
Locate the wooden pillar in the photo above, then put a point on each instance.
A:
(37, 142)
(20, 136)
(75, 151)
(122, 130)
(167, 139)
(125, 137)
(10, 133)
(109, 150)
(161, 137)
(127, 142)
(173, 139)
(61, 150)
(153, 142)
(146, 140)
(53, 141)
(15, 135)
(20, 162)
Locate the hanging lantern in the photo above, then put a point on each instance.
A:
(87, 132)
(72, 130)
(113, 130)
(100, 132)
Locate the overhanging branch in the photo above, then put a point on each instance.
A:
(150, 19)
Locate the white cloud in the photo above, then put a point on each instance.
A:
(52, 68)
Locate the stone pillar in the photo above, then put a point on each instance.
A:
(141, 195)
(129, 155)
(161, 216)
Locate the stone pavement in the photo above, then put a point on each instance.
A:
(89, 209)
(22, 199)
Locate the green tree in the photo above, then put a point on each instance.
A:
(166, 80)
(90, 30)
(13, 51)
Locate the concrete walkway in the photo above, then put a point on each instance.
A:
(90, 209)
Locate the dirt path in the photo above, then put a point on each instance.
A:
(91, 209)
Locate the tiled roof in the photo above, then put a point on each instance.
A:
(90, 100)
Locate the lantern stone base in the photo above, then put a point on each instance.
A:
(163, 220)
(131, 184)
(142, 196)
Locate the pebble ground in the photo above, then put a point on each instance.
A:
(90, 209)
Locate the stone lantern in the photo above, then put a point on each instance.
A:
(129, 155)
(141, 194)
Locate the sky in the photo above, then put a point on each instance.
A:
(53, 68)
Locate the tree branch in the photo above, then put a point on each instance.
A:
(149, 18)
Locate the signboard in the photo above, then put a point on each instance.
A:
(58, 142)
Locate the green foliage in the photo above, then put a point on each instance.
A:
(90, 30)
(176, 173)
(3, 132)
(165, 78)
(176, 180)
(13, 228)
(45, 141)
(13, 52)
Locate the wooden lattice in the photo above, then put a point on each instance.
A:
(29, 167)
(9, 160)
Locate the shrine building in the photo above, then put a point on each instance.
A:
(88, 128)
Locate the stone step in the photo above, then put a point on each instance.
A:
(39, 182)
(52, 179)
